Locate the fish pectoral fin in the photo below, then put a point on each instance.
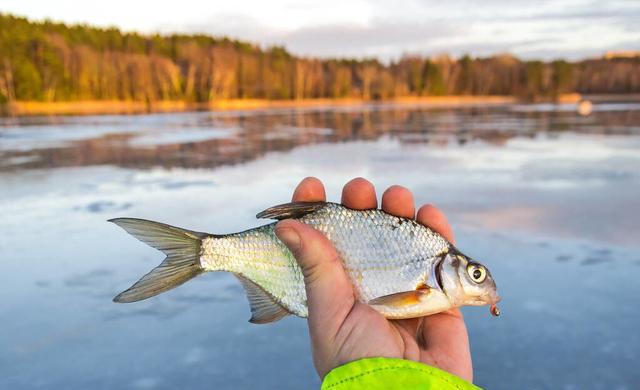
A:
(401, 299)
(290, 210)
(264, 307)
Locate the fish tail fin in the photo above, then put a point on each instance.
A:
(182, 263)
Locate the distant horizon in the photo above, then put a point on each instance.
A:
(544, 29)
(607, 53)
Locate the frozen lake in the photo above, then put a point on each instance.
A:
(547, 199)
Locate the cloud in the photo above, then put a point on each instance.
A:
(233, 25)
(528, 28)
(381, 28)
(380, 38)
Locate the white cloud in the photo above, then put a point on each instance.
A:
(540, 28)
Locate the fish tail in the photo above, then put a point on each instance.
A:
(182, 263)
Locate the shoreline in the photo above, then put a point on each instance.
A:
(113, 107)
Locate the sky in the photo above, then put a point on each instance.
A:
(386, 29)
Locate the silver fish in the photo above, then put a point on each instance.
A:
(399, 267)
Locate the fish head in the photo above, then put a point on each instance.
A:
(466, 281)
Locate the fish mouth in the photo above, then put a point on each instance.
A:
(485, 299)
(491, 299)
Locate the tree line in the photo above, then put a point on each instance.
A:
(48, 61)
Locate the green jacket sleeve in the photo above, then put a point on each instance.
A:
(384, 373)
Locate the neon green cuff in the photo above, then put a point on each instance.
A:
(385, 373)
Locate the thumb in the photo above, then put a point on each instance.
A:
(329, 291)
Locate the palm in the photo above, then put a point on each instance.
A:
(366, 333)
(343, 329)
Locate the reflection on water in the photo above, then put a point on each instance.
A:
(207, 140)
(546, 198)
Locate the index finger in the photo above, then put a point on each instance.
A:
(310, 189)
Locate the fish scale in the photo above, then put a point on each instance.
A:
(381, 253)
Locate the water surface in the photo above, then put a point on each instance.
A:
(548, 199)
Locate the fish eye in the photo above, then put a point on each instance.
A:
(477, 272)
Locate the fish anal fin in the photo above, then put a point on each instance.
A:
(264, 307)
(290, 210)
(402, 299)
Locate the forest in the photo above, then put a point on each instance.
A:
(54, 62)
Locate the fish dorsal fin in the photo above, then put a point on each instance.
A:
(290, 210)
(401, 299)
(264, 307)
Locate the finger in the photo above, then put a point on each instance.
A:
(310, 189)
(431, 216)
(411, 325)
(398, 201)
(329, 291)
(445, 335)
(359, 194)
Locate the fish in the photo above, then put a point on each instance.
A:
(399, 267)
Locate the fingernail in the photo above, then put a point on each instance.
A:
(289, 237)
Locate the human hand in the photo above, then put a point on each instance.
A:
(343, 329)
